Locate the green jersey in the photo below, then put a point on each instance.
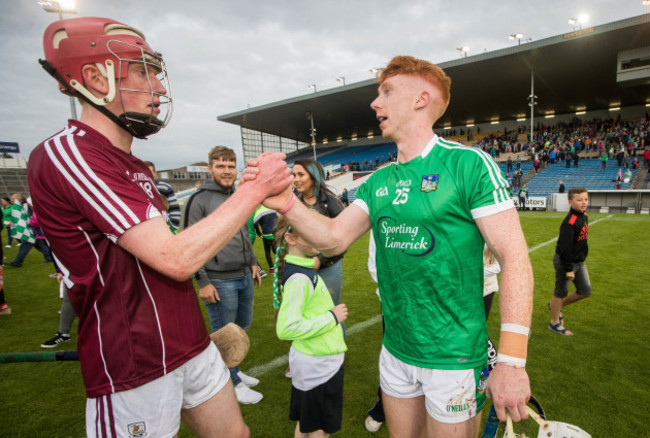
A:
(429, 251)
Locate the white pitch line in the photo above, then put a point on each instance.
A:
(260, 370)
(548, 242)
(283, 360)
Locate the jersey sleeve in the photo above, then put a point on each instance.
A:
(362, 196)
(487, 190)
(105, 193)
(292, 324)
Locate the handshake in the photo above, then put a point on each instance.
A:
(269, 178)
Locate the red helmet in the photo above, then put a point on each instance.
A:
(70, 44)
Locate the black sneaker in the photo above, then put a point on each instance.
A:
(56, 340)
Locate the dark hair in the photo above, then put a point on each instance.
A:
(576, 191)
(316, 172)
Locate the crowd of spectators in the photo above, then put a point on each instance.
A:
(368, 164)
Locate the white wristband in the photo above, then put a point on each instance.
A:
(516, 362)
(516, 328)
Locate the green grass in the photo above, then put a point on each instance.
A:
(595, 379)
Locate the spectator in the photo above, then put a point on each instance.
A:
(27, 230)
(569, 260)
(66, 316)
(314, 193)
(308, 317)
(561, 188)
(491, 268)
(523, 196)
(264, 223)
(226, 280)
(345, 197)
(4, 307)
(6, 219)
(603, 161)
(376, 416)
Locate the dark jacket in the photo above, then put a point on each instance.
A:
(328, 205)
(572, 243)
(236, 258)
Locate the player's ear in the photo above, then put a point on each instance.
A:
(94, 80)
(423, 99)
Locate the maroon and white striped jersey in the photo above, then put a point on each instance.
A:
(135, 324)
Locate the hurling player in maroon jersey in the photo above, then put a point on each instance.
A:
(145, 354)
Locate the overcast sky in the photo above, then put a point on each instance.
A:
(224, 56)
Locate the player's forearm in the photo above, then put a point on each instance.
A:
(516, 290)
(180, 256)
(320, 231)
(201, 241)
(516, 305)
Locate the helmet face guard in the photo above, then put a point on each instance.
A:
(112, 47)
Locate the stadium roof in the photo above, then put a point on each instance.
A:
(572, 72)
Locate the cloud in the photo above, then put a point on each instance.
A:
(226, 56)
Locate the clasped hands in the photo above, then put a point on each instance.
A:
(271, 177)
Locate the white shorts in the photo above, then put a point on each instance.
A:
(450, 396)
(154, 409)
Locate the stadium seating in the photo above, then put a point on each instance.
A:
(13, 180)
(588, 174)
(309, 153)
(525, 167)
(359, 154)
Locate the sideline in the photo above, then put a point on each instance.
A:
(280, 361)
(548, 242)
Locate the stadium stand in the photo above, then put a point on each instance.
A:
(588, 175)
(13, 180)
(309, 153)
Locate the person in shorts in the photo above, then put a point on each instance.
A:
(308, 317)
(145, 354)
(569, 260)
(431, 212)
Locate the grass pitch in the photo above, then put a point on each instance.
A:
(595, 379)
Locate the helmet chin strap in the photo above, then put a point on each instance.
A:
(137, 124)
(141, 125)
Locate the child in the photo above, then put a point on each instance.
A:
(307, 316)
(4, 308)
(569, 260)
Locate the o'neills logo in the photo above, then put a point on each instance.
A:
(413, 240)
(458, 408)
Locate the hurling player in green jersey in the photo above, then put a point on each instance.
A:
(431, 213)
